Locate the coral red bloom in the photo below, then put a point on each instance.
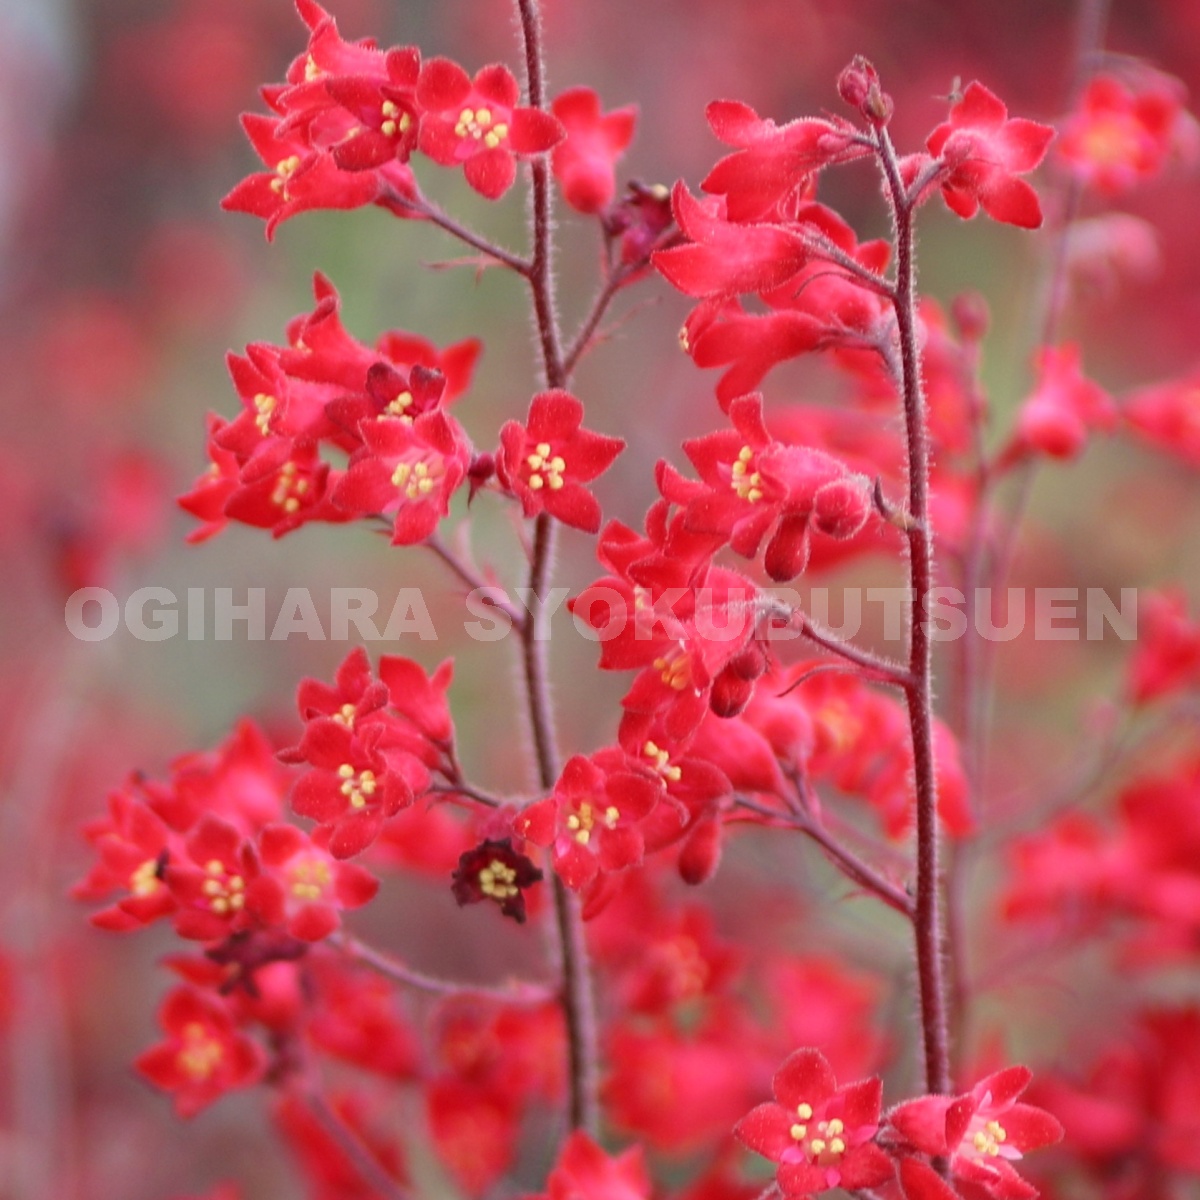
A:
(752, 481)
(585, 1172)
(302, 887)
(1167, 415)
(724, 258)
(821, 1135)
(982, 1132)
(204, 1055)
(407, 469)
(300, 177)
(1063, 409)
(356, 783)
(592, 818)
(774, 163)
(546, 461)
(211, 888)
(584, 162)
(1122, 135)
(983, 151)
(479, 124)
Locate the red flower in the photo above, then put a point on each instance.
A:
(753, 481)
(303, 887)
(982, 152)
(495, 871)
(300, 177)
(821, 1135)
(584, 162)
(546, 461)
(591, 819)
(132, 846)
(773, 163)
(204, 1055)
(585, 1172)
(409, 469)
(1120, 135)
(1167, 415)
(726, 259)
(211, 888)
(479, 124)
(356, 784)
(982, 1132)
(1064, 407)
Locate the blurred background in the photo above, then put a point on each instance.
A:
(122, 285)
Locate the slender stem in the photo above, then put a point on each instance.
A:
(577, 999)
(369, 1168)
(612, 285)
(393, 968)
(883, 668)
(473, 580)
(842, 857)
(426, 209)
(927, 925)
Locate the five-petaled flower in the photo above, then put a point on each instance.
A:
(822, 1136)
(204, 1054)
(546, 462)
(479, 124)
(982, 1133)
(982, 152)
(494, 871)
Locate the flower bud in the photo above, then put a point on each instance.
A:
(701, 853)
(859, 86)
(841, 508)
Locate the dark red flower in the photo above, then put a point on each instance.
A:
(493, 870)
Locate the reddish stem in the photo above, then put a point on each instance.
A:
(918, 691)
(577, 998)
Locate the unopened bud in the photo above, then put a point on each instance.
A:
(859, 86)
(841, 508)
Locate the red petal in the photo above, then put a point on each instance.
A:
(491, 172)
(805, 1078)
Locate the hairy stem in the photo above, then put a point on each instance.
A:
(577, 998)
(918, 691)
(842, 857)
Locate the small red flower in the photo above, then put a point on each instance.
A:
(1063, 409)
(355, 784)
(204, 1055)
(821, 1135)
(982, 1132)
(493, 870)
(211, 888)
(584, 162)
(585, 1172)
(409, 469)
(479, 124)
(774, 163)
(546, 461)
(302, 887)
(723, 258)
(1121, 135)
(592, 818)
(983, 152)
